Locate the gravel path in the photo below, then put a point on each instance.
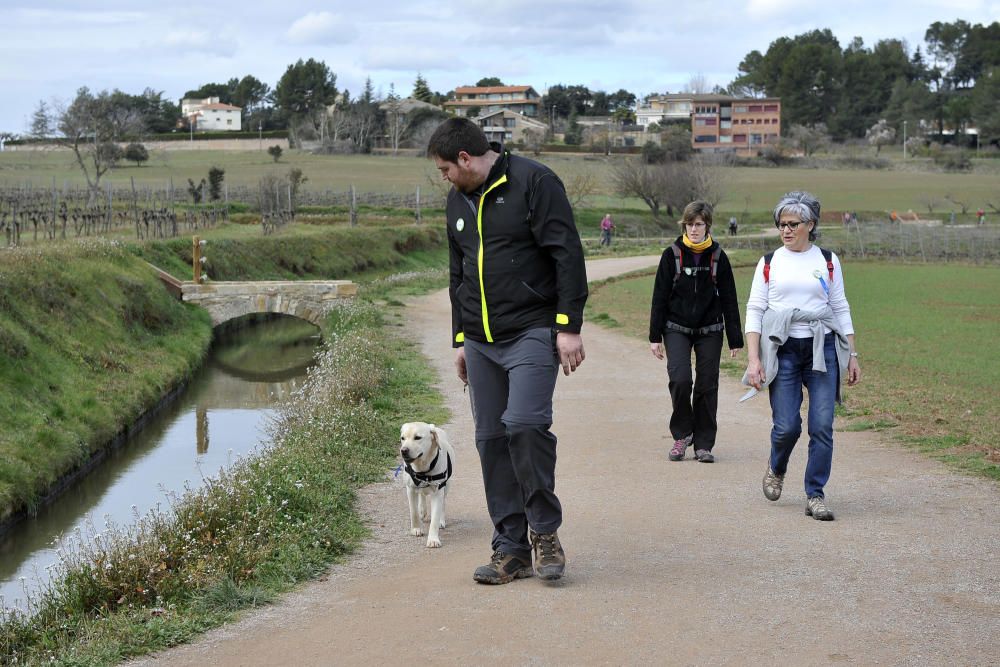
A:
(668, 563)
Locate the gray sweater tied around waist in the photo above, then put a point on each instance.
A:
(774, 332)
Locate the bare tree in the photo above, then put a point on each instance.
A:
(697, 85)
(648, 182)
(579, 186)
(397, 121)
(91, 126)
(961, 204)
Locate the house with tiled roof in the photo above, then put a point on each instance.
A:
(524, 100)
(211, 115)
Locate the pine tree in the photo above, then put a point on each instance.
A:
(421, 91)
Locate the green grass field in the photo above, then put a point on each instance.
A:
(924, 334)
(862, 190)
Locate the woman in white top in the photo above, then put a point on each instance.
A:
(799, 333)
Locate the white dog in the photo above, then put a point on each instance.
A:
(427, 458)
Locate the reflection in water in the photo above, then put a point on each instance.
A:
(219, 417)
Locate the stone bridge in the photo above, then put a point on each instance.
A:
(309, 300)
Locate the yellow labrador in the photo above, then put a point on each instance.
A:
(427, 460)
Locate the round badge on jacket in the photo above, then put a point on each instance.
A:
(460, 224)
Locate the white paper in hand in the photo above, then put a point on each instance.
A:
(750, 394)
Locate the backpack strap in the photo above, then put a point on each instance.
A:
(715, 263)
(678, 260)
(827, 255)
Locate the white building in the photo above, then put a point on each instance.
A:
(210, 115)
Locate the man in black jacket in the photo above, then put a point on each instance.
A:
(518, 286)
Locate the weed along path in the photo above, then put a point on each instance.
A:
(668, 563)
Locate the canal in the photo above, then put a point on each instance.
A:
(219, 417)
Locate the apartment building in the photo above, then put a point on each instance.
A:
(718, 122)
(724, 123)
(488, 99)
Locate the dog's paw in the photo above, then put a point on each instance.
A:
(443, 524)
(416, 532)
(433, 543)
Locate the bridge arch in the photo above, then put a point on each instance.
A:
(310, 300)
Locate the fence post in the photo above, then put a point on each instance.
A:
(354, 207)
(418, 205)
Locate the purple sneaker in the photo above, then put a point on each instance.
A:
(680, 447)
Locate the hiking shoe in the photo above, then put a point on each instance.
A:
(503, 569)
(680, 447)
(550, 560)
(772, 484)
(704, 456)
(817, 509)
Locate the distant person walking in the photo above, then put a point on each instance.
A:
(694, 300)
(733, 225)
(607, 230)
(800, 334)
(980, 217)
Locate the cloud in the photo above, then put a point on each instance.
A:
(410, 59)
(321, 28)
(764, 8)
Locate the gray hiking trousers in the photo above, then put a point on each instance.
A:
(510, 386)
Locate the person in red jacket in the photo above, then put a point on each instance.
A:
(518, 286)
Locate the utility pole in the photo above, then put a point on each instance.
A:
(904, 140)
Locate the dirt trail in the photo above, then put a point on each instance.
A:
(668, 563)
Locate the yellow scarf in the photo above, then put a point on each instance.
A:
(698, 247)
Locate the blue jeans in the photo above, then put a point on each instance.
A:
(795, 371)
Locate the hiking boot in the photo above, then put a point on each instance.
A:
(772, 484)
(550, 559)
(704, 456)
(817, 509)
(503, 569)
(680, 447)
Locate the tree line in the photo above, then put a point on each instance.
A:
(951, 83)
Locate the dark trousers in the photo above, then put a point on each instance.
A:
(695, 399)
(510, 387)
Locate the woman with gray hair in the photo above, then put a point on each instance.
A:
(800, 333)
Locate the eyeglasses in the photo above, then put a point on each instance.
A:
(791, 225)
(694, 224)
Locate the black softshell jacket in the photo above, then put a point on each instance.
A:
(516, 261)
(694, 301)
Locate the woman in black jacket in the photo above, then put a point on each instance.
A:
(694, 299)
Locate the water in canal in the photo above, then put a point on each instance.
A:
(220, 416)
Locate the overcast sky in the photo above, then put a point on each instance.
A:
(49, 49)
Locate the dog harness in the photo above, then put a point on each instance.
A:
(422, 479)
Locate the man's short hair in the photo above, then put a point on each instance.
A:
(455, 135)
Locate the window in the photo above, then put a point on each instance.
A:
(756, 139)
(700, 122)
(510, 122)
(726, 124)
(229, 121)
(710, 121)
(725, 139)
(740, 108)
(771, 107)
(704, 139)
(739, 138)
(508, 136)
(759, 121)
(754, 108)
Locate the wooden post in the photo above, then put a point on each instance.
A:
(354, 207)
(418, 204)
(196, 258)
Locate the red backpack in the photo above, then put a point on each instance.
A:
(827, 255)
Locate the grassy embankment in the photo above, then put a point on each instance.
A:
(924, 333)
(90, 339)
(269, 522)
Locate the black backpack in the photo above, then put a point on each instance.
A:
(679, 261)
